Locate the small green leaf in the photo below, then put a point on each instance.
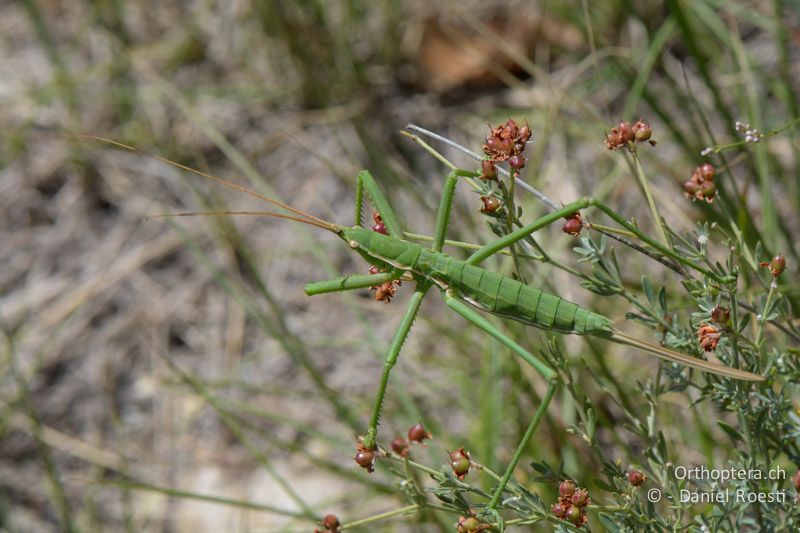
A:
(648, 290)
(662, 300)
(609, 523)
(602, 485)
(732, 432)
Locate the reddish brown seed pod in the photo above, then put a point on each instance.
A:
(566, 488)
(490, 204)
(492, 145)
(707, 171)
(614, 139)
(559, 510)
(460, 463)
(573, 225)
(636, 477)
(468, 524)
(626, 131)
(384, 292)
(379, 226)
(417, 433)
(400, 447)
(331, 523)
(708, 190)
(506, 147)
(525, 134)
(581, 498)
(708, 336)
(516, 161)
(488, 170)
(511, 128)
(642, 131)
(721, 315)
(574, 515)
(777, 265)
(691, 187)
(365, 459)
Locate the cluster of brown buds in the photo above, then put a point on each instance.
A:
(636, 477)
(330, 523)
(776, 266)
(471, 524)
(460, 463)
(573, 224)
(365, 457)
(701, 185)
(506, 142)
(625, 135)
(386, 290)
(571, 504)
(709, 336)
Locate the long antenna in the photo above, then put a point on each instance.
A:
(675, 357)
(250, 213)
(310, 218)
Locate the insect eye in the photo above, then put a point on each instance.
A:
(353, 244)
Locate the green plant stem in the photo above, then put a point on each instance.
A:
(643, 183)
(771, 133)
(537, 417)
(383, 516)
(763, 318)
(167, 491)
(422, 468)
(491, 473)
(511, 217)
(609, 229)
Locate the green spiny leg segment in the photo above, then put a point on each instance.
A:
(446, 204)
(476, 318)
(367, 183)
(391, 358)
(443, 215)
(523, 444)
(347, 283)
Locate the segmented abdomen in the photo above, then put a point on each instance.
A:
(508, 297)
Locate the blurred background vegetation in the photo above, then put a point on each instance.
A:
(148, 365)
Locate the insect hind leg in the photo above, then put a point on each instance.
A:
(391, 358)
(366, 183)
